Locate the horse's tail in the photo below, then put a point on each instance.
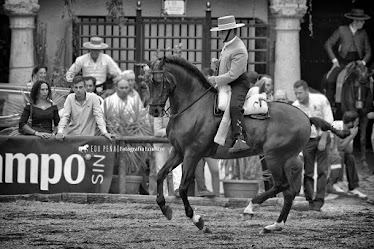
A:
(326, 126)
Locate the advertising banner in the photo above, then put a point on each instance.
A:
(30, 164)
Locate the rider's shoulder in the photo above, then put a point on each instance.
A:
(317, 96)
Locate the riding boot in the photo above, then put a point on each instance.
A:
(239, 144)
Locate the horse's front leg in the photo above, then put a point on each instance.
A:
(188, 174)
(173, 161)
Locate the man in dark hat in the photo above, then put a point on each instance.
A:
(232, 70)
(353, 45)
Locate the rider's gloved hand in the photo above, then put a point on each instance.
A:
(335, 63)
(360, 62)
(212, 81)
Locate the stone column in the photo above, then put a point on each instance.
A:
(288, 14)
(21, 17)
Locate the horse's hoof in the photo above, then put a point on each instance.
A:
(168, 212)
(274, 227)
(248, 215)
(265, 231)
(200, 223)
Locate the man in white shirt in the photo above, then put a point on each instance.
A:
(314, 105)
(95, 63)
(121, 101)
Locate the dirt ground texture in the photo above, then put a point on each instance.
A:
(345, 222)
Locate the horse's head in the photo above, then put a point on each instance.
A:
(159, 89)
(358, 72)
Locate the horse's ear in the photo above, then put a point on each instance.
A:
(162, 62)
(351, 66)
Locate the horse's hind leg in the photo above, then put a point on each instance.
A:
(173, 161)
(293, 171)
(189, 167)
(279, 185)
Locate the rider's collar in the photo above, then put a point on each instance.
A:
(352, 28)
(229, 42)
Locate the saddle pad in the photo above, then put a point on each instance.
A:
(255, 103)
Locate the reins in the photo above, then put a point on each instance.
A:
(191, 104)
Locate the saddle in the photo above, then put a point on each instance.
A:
(255, 105)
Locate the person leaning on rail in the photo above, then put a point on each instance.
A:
(82, 113)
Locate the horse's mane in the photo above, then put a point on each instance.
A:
(188, 67)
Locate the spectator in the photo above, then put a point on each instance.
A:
(121, 100)
(38, 73)
(354, 45)
(95, 63)
(335, 182)
(281, 95)
(370, 115)
(345, 147)
(200, 177)
(159, 128)
(202, 190)
(314, 105)
(42, 112)
(82, 113)
(266, 85)
(129, 75)
(91, 86)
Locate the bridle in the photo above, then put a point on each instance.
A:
(163, 87)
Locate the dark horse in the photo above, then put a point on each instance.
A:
(356, 96)
(193, 125)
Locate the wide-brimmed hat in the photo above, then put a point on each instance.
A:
(357, 14)
(95, 43)
(226, 23)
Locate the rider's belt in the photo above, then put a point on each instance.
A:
(242, 79)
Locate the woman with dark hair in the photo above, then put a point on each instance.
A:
(42, 112)
(38, 73)
(266, 85)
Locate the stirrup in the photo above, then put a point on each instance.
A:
(239, 145)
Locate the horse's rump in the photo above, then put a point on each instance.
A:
(287, 130)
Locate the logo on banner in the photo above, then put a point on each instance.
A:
(83, 149)
(49, 168)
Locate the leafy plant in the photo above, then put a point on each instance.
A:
(177, 50)
(116, 11)
(123, 121)
(58, 78)
(69, 8)
(246, 168)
